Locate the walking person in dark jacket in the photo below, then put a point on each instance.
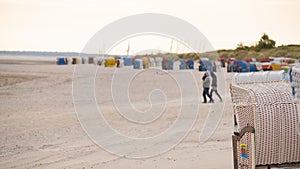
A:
(214, 87)
(206, 86)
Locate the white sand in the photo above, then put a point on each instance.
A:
(39, 127)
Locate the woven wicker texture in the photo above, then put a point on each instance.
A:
(268, 107)
(258, 77)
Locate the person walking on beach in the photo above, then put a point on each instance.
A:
(214, 87)
(206, 86)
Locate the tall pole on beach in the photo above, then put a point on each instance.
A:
(128, 48)
(177, 46)
(171, 47)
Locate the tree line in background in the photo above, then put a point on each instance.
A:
(264, 43)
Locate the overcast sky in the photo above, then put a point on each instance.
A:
(66, 25)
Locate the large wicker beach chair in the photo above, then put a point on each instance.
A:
(266, 122)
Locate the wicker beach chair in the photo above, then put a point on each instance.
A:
(266, 122)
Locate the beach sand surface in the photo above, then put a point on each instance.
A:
(39, 126)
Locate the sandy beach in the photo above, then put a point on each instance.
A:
(40, 129)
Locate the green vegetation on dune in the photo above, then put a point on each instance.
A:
(265, 47)
(290, 51)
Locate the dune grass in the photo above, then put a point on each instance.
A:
(289, 51)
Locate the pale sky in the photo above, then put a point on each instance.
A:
(66, 25)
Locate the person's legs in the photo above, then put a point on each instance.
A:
(207, 93)
(216, 91)
(211, 92)
(204, 96)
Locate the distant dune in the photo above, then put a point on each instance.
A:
(291, 51)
